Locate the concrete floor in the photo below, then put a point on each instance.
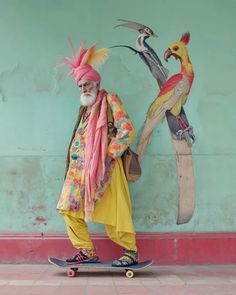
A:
(158, 280)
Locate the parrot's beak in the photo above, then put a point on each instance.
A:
(167, 54)
(154, 35)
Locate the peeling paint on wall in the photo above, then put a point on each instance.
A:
(26, 80)
(40, 220)
(2, 99)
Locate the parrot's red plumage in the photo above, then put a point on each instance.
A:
(185, 38)
(170, 84)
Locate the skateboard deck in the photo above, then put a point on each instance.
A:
(73, 269)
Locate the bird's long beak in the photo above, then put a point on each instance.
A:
(167, 54)
(155, 35)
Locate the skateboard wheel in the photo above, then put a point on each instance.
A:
(129, 274)
(71, 273)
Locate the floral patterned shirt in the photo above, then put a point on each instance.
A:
(73, 188)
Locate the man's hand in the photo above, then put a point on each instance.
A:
(109, 160)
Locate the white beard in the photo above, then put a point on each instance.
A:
(88, 99)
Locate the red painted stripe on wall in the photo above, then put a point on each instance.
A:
(166, 248)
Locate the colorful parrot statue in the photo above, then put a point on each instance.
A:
(173, 94)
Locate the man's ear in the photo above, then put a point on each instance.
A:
(98, 86)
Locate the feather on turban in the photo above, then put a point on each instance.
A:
(81, 63)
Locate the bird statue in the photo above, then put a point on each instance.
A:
(173, 94)
(146, 53)
(179, 126)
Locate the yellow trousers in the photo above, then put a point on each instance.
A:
(79, 236)
(113, 210)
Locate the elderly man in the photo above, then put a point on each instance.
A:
(95, 187)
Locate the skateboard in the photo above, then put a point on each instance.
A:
(73, 269)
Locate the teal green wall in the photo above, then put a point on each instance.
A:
(38, 110)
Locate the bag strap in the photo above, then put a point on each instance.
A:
(110, 118)
(110, 123)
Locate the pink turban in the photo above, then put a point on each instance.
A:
(81, 62)
(86, 72)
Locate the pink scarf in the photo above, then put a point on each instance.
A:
(95, 151)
